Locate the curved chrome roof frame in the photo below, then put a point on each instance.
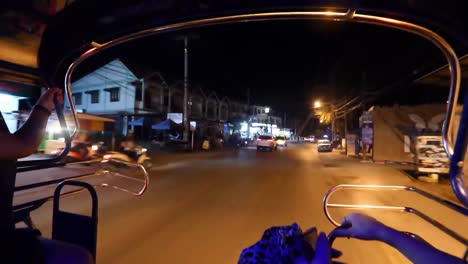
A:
(351, 16)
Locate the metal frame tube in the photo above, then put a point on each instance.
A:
(30, 206)
(350, 15)
(326, 205)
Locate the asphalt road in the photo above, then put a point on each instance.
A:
(205, 208)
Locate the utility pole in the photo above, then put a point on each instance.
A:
(346, 132)
(249, 113)
(333, 124)
(186, 119)
(295, 128)
(284, 120)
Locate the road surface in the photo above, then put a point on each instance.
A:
(205, 208)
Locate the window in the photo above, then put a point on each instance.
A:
(77, 98)
(115, 95)
(94, 97)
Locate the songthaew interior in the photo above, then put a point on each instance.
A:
(141, 79)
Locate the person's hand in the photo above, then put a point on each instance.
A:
(47, 99)
(361, 227)
(323, 252)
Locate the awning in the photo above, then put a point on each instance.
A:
(164, 125)
(138, 122)
(94, 117)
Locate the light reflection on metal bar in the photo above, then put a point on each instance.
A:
(29, 206)
(435, 223)
(365, 206)
(145, 181)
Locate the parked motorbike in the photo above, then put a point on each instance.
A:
(137, 154)
(84, 152)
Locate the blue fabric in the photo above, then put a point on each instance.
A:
(164, 125)
(282, 244)
(138, 122)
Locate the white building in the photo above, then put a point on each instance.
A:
(265, 115)
(108, 90)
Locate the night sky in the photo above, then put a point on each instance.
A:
(288, 64)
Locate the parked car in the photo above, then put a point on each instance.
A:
(281, 141)
(324, 145)
(266, 142)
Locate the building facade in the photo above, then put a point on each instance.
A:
(138, 103)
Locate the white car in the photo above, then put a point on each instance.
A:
(324, 145)
(281, 141)
(266, 142)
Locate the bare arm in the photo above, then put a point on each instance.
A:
(416, 250)
(367, 228)
(27, 138)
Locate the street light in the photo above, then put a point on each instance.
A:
(267, 110)
(317, 104)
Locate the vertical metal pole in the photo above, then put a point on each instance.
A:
(333, 113)
(186, 127)
(346, 133)
(142, 104)
(125, 125)
(193, 132)
(295, 129)
(161, 99)
(333, 129)
(142, 93)
(169, 99)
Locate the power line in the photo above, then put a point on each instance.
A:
(349, 102)
(348, 111)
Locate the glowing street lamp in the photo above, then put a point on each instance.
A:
(317, 104)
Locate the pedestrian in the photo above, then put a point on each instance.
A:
(24, 245)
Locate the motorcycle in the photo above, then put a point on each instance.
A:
(84, 153)
(137, 154)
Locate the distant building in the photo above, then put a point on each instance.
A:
(113, 90)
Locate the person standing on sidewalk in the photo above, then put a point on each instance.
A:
(20, 245)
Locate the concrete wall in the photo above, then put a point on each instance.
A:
(392, 124)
